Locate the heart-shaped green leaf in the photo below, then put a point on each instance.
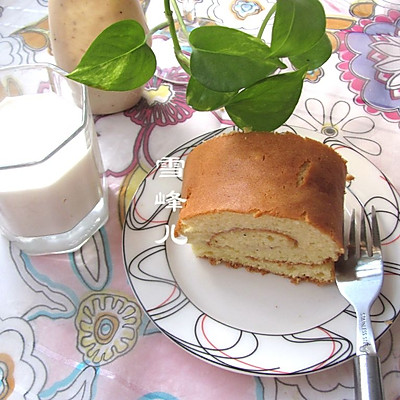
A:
(118, 59)
(267, 104)
(226, 60)
(298, 26)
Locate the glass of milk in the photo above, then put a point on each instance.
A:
(53, 193)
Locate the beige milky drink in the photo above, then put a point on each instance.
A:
(50, 173)
(66, 189)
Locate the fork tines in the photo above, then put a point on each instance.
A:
(367, 243)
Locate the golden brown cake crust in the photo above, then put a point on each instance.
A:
(267, 173)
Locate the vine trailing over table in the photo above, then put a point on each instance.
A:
(259, 84)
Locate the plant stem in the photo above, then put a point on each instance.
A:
(179, 18)
(171, 23)
(156, 28)
(266, 19)
(182, 59)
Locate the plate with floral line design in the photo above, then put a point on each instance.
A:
(245, 322)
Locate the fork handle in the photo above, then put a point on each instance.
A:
(368, 377)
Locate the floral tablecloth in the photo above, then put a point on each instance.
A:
(70, 325)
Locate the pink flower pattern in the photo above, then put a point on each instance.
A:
(370, 58)
(163, 104)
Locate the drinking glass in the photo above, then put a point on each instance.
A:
(53, 193)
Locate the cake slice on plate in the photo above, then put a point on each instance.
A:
(265, 201)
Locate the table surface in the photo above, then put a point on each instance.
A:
(53, 344)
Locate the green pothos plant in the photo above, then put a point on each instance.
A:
(258, 83)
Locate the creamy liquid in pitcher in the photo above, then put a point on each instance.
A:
(52, 196)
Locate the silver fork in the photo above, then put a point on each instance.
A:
(359, 278)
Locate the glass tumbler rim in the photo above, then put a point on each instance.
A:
(51, 68)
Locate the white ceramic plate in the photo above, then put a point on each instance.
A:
(247, 322)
